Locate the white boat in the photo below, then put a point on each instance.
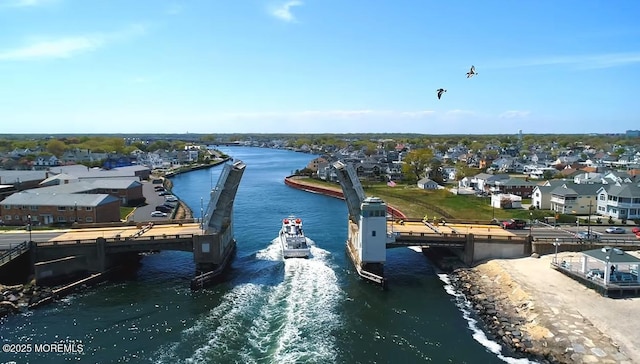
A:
(294, 243)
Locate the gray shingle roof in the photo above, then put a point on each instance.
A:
(576, 189)
(625, 190)
(58, 199)
(87, 185)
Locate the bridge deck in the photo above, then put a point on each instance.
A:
(415, 227)
(129, 231)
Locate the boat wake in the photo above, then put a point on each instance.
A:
(288, 322)
(478, 335)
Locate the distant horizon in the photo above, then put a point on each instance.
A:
(318, 67)
(314, 134)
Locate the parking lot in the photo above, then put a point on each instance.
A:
(143, 213)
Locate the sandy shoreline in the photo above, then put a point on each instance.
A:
(556, 317)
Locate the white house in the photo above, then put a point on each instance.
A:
(427, 184)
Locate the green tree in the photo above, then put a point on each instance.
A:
(416, 163)
(56, 147)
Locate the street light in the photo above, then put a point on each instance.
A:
(556, 243)
(530, 223)
(607, 272)
(75, 207)
(29, 226)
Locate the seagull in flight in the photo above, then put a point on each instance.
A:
(440, 91)
(472, 72)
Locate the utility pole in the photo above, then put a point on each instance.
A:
(589, 221)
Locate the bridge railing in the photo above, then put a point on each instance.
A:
(14, 252)
(573, 240)
(128, 240)
(445, 236)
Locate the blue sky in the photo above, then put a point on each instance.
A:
(319, 66)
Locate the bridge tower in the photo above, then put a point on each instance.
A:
(367, 226)
(213, 250)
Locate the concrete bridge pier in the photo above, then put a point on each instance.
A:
(469, 247)
(100, 262)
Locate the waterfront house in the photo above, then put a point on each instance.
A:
(515, 186)
(316, 162)
(619, 201)
(576, 199)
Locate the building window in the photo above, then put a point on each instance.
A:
(62, 208)
(7, 207)
(89, 219)
(33, 208)
(7, 217)
(88, 208)
(373, 233)
(61, 219)
(17, 217)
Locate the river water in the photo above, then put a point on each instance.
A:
(266, 310)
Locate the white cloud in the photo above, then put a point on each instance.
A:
(66, 47)
(588, 61)
(24, 3)
(283, 11)
(57, 48)
(514, 114)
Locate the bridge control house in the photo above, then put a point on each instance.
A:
(59, 208)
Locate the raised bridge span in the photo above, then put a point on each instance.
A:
(370, 233)
(211, 241)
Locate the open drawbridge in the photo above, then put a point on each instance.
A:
(213, 250)
(367, 226)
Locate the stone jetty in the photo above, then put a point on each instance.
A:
(517, 318)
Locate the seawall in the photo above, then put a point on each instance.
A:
(302, 183)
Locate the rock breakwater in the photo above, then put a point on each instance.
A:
(517, 318)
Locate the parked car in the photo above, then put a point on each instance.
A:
(588, 235)
(514, 224)
(163, 208)
(170, 198)
(615, 230)
(635, 230)
(158, 214)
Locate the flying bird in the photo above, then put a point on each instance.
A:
(472, 72)
(440, 91)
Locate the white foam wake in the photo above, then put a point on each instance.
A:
(478, 335)
(288, 321)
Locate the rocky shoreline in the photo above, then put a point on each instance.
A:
(20, 297)
(528, 327)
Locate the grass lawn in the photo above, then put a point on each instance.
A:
(125, 211)
(417, 203)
